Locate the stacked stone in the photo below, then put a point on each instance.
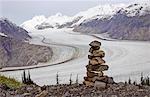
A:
(96, 66)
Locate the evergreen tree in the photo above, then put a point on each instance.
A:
(147, 81)
(29, 81)
(57, 79)
(26, 79)
(70, 80)
(134, 83)
(77, 79)
(129, 81)
(125, 82)
(142, 79)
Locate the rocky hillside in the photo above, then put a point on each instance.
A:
(11, 30)
(16, 51)
(75, 90)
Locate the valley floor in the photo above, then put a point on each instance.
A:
(125, 58)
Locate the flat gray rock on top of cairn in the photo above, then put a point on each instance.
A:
(95, 43)
(95, 76)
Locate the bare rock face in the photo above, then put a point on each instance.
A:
(14, 53)
(95, 76)
(12, 30)
(15, 49)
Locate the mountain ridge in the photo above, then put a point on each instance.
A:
(102, 11)
(11, 30)
(119, 21)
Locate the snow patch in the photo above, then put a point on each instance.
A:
(136, 9)
(101, 11)
(2, 34)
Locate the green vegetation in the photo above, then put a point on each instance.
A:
(10, 82)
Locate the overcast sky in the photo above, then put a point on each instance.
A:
(19, 11)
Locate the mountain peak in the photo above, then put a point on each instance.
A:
(136, 9)
(9, 29)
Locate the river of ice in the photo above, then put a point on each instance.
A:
(126, 59)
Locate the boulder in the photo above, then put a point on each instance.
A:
(98, 73)
(88, 79)
(103, 79)
(4, 86)
(97, 67)
(106, 79)
(27, 95)
(93, 62)
(42, 94)
(90, 74)
(98, 53)
(95, 43)
(90, 57)
(94, 48)
(96, 61)
(102, 68)
(99, 85)
(100, 60)
(88, 83)
(110, 80)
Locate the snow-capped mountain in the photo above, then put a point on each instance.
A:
(31, 24)
(131, 22)
(98, 12)
(41, 22)
(121, 21)
(9, 29)
(101, 11)
(108, 11)
(58, 20)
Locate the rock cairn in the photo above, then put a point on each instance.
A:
(95, 76)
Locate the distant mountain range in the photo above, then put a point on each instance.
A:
(119, 21)
(15, 49)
